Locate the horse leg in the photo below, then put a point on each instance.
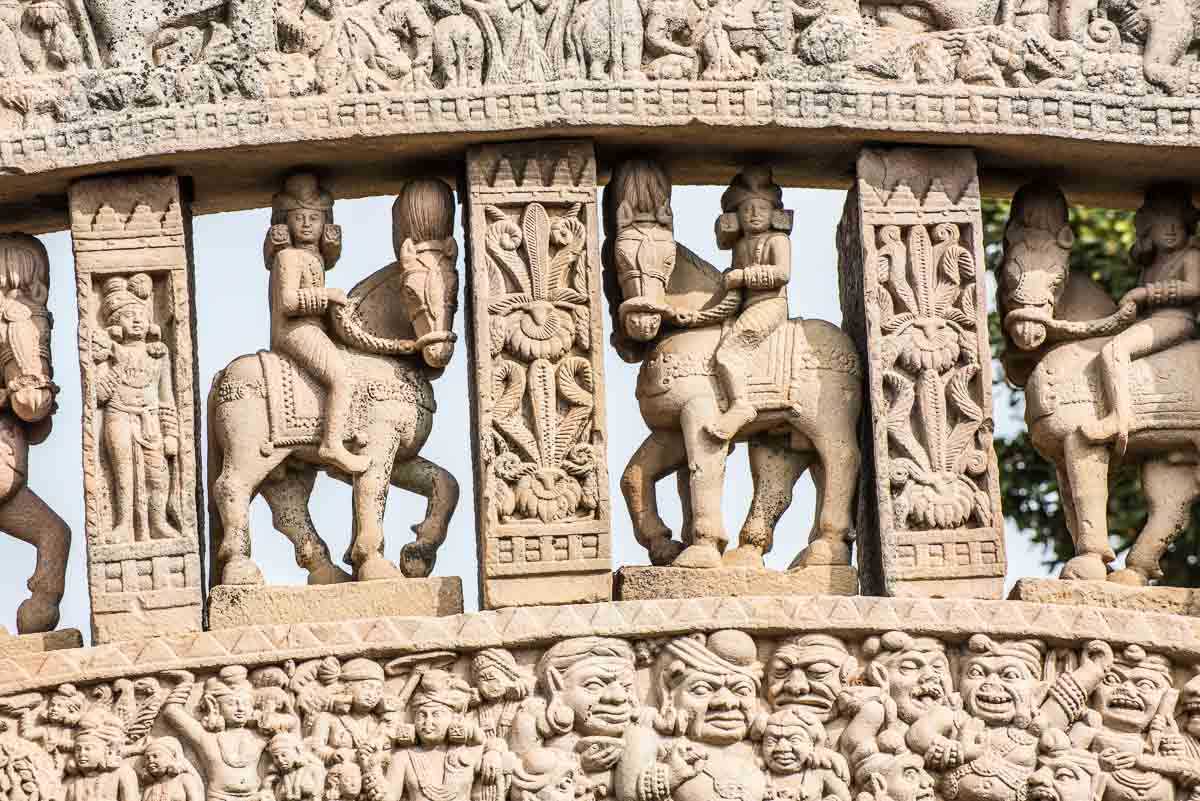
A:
(1086, 466)
(28, 518)
(662, 453)
(423, 477)
(366, 546)
(288, 498)
(775, 469)
(836, 477)
(243, 470)
(706, 463)
(1171, 489)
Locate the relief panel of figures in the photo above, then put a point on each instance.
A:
(890, 716)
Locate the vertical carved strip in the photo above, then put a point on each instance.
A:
(912, 286)
(537, 371)
(137, 357)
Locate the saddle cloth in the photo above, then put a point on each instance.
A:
(780, 368)
(296, 401)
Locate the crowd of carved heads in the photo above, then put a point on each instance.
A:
(891, 716)
(63, 59)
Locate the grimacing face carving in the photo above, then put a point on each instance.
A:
(1128, 697)
(907, 780)
(717, 707)
(917, 677)
(809, 672)
(600, 691)
(997, 688)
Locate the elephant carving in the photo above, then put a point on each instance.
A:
(127, 28)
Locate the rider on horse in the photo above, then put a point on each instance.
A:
(1167, 297)
(303, 243)
(762, 268)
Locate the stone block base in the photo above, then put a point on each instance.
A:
(540, 590)
(645, 583)
(20, 644)
(1108, 594)
(230, 606)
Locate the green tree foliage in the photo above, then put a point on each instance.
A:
(1028, 485)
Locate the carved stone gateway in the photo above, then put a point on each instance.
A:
(140, 426)
(913, 296)
(537, 369)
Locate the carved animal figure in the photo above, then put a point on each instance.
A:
(669, 309)
(26, 403)
(605, 37)
(127, 27)
(1056, 323)
(457, 48)
(261, 439)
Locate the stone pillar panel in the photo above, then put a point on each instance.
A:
(533, 288)
(912, 287)
(140, 426)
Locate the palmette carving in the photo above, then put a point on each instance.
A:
(345, 370)
(687, 717)
(538, 372)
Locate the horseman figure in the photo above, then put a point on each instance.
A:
(370, 355)
(1104, 381)
(792, 388)
(26, 404)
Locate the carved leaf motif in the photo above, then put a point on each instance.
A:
(898, 323)
(536, 229)
(967, 303)
(543, 399)
(509, 382)
(576, 385)
(899, 417)
(583, 326)
(920, 254)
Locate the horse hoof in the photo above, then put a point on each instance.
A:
(378, 568)
(1130, 577)
(822, 553)
(241, 571)
(37, 614)
(744, 556)
(328, 573)
(1085, 567)
(698, 556)
(416, 560)
(664, 550)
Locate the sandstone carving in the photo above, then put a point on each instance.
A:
(140, 431)
(906, 716)
(912, 294)
(1105, 381)
(721, 362)
(345, 371)
(542, 506)
(25, 419)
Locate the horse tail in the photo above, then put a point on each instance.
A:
(216, 463)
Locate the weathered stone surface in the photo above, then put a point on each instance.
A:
(1107, 382)
(645, 583)
(344, 389)
(911, 272)
(14, 644)
(721, 361)
(141, 427)
(543, 518)
(1108, 595)
(230, 606)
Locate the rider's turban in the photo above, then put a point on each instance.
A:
(752, 183)
(300, 191)
(121, 292)
(362, 670)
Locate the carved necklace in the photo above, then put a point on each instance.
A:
(421, 770)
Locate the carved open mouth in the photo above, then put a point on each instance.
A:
(928, 694)
(993, 702)
(924, 794)
(1042, 792)
(1127, 701)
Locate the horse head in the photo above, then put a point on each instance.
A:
(641, 245)
(423, 234)
(25, 328)
(1036, 265)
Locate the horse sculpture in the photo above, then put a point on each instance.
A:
(1056, 322)
(669, 308)
(26, 405)
(265, 413)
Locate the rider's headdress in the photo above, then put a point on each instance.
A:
(750, 184)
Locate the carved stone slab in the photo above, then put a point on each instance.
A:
(643, 583)
(537, 368)
(140, 426)
(1110, 595)
(230, 605)
(913, 297)
(11, 644)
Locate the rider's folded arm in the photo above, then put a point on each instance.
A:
(1172, 293)
(767, 276)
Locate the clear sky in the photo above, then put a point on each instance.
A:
(231, 287)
